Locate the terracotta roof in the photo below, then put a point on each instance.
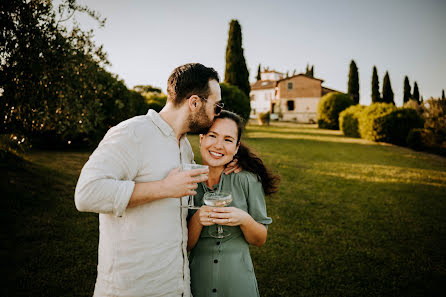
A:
(263, 84)
(328, 90)
(301, 74)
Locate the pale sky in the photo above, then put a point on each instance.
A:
(146, 40)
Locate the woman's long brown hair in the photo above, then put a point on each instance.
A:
(249, 161)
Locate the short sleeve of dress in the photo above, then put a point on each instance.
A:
(255, 198)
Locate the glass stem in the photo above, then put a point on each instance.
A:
(220, 230)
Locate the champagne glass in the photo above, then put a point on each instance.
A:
(218, 199)
(190, 199)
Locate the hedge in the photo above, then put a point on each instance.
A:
(329, 108)
(369, 115)
(348, 120)
(394, 127)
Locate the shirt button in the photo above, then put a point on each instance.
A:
(215, 261)
(214, 290)
(218, 242)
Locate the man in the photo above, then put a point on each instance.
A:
(133, 181)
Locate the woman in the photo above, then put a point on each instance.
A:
(223, 267)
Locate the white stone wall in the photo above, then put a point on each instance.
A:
(305, 109)
(261, 101)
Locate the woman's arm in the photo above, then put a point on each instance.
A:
(195, 225)
(254, 232)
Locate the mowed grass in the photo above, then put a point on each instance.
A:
(351, 218)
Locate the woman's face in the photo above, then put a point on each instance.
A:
(219, 145)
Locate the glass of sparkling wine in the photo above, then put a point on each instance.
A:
(218, 199)
(190, 199)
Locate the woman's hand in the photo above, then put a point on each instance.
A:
(229, 216)
(204, 215)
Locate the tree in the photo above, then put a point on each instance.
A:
(309, 71)
(387, 94)
(442, 94)
(407, 89)
(353, 82)
(258, 77)
(236, 72)
(375, 86)
(416, 92)
(235, 100)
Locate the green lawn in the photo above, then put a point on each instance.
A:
(352, 218)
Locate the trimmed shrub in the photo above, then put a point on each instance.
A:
(394, 127)
(329, 108)
(419, 139)
(368, 117)
(235, 100)
(348, 120)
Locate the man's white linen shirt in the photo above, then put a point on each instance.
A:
(142, 250)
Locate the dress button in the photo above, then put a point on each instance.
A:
(214, 290)
(218, 242)
(215, 261)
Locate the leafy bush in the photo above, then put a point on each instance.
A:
(435, 119)
(329, 108)
(414, 105)
(419, 139)
(348, 120)
(235, 100)
(394, 127)
(368, 117)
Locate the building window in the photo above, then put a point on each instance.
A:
(253, 97)
(290, 104)
(290, 86)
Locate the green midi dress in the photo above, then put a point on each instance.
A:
(223, 267)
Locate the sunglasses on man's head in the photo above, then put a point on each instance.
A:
(218, 106)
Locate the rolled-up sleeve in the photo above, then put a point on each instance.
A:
(106, 181)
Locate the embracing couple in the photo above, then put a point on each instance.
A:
(134, 181)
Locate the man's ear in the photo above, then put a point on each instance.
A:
(193, 102)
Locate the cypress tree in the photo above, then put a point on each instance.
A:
(258, 77)
(407, 88)
(353, 82)
(236, 72)
(312, 71)
(387, 90)
(375, 86)
(416, 93)
(442, 94)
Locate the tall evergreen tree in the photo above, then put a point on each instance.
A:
(406, 89)
(387, 94)
(258, 77)
(312, 71)
(442, 94)
(236, 72)
(375, 86)
(353, 82)
(416, 92)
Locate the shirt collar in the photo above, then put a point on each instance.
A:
(160, 123)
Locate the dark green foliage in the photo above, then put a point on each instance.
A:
(258, 77)
(349, 120)
(309, 71)
(442, 95)
(369, 115)
(375, 86)
(416, 92)
(417, 138)
(406, 90)
(329, 108)
(353, 82)
(55, 88)
(235, 100)
(435, 119)
(394, 127)
(387, 94)
(236, 72)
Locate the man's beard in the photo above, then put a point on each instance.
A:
(200, 122)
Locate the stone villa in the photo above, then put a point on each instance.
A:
(293, 98)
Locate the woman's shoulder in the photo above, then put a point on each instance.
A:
(245, 177)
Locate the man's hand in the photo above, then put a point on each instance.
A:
(183, 183)
(232, 166)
